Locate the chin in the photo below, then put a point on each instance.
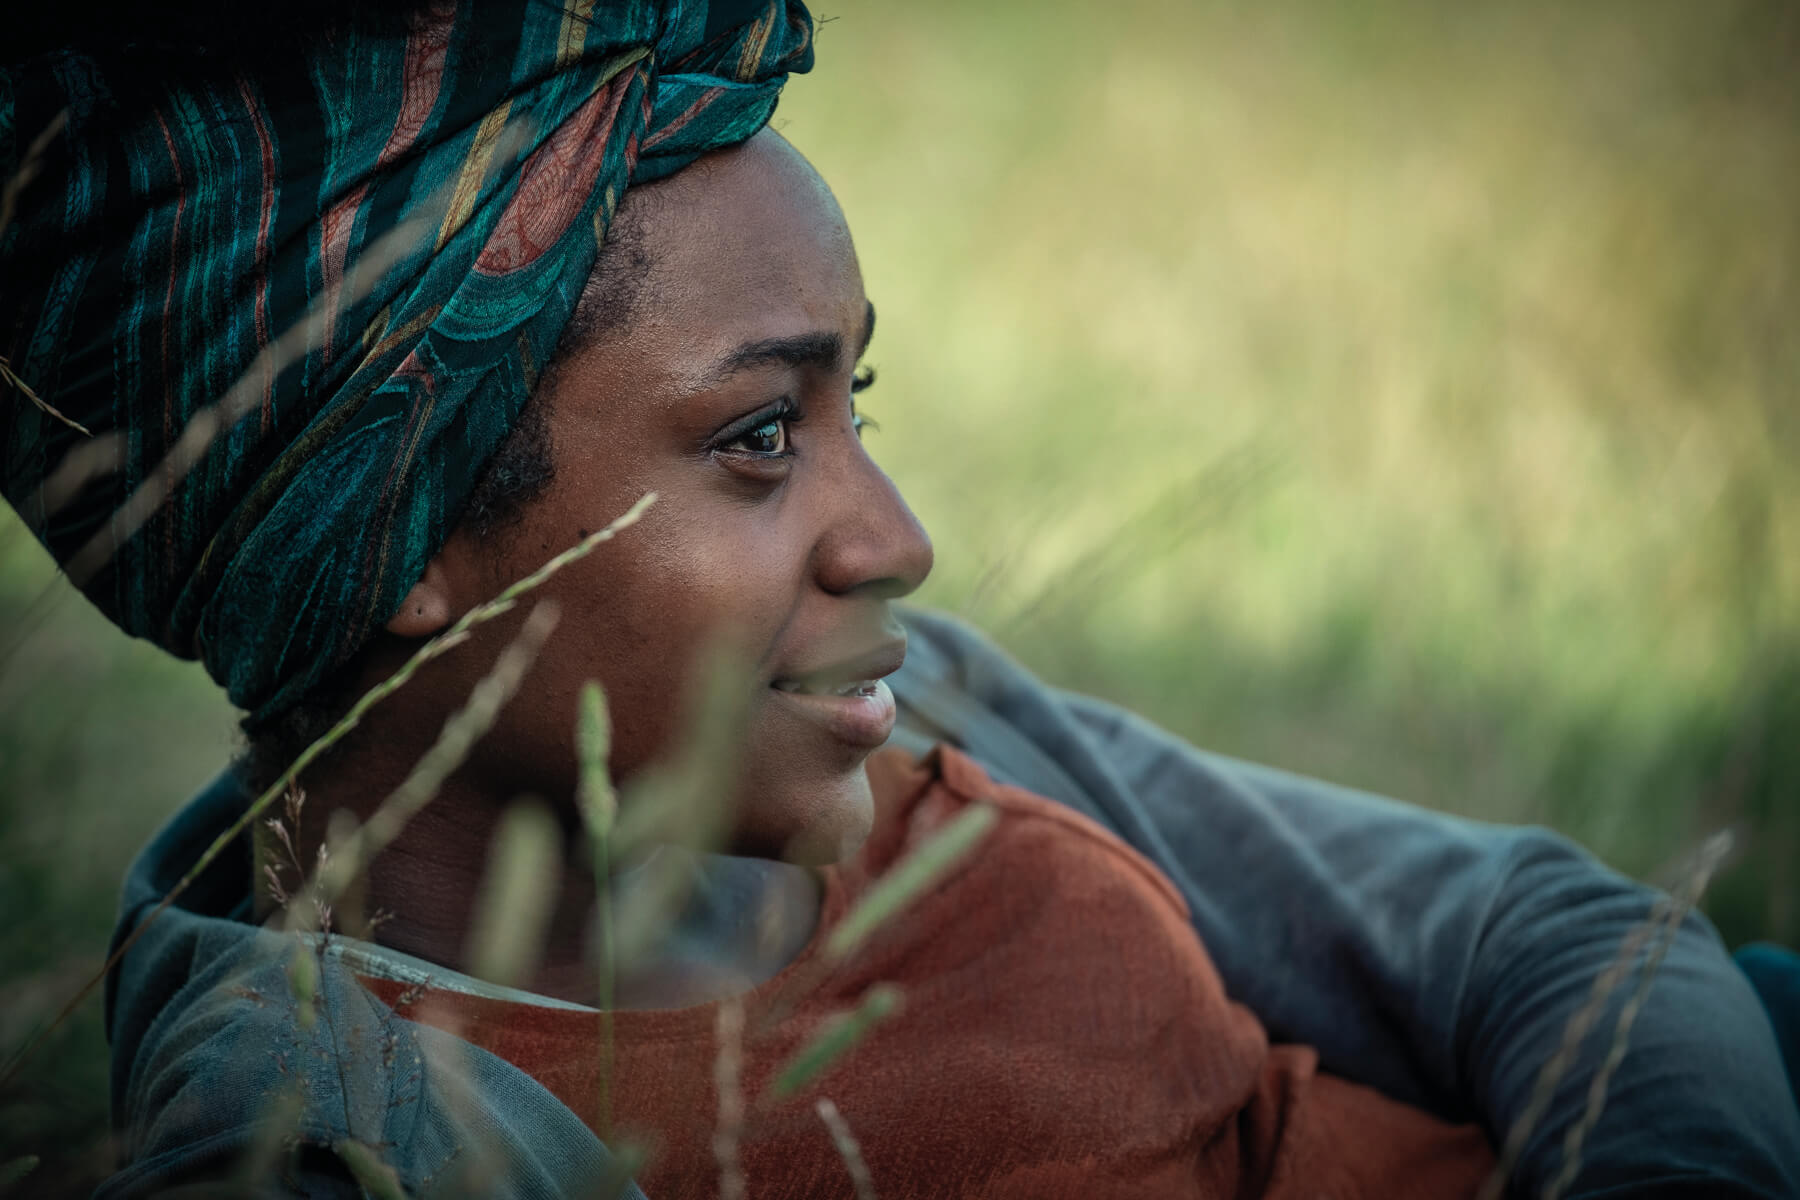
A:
(820, 822)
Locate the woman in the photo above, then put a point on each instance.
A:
(476, 387)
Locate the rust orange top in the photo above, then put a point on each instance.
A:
(1063, 1035)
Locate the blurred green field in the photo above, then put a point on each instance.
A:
(1403, 393)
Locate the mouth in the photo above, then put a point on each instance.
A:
(849, 698)
(855, 687)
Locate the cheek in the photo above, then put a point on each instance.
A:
(640, 621)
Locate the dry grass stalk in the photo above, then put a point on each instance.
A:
(11, 377)
(9, 199)
(727, 1068)
(351, 857)
(1574, 1033)
(1662, 922)
(1699, 873)
(847, 1147)
(29, 167)
(96, 456)
(458, 633)
(293, 805)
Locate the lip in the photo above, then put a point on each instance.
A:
(848, 698)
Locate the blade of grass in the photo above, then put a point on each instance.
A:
(837, 1036)
(628, 1158)
(658, 888)
(516, 897)
(684, 800)
(13, 1172)
(678, 807)
(377, 1178)
(303, 982)
(278, 1121)
(599, 809)
(593, 742)
(902, 885)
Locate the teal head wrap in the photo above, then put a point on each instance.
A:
(296, 313)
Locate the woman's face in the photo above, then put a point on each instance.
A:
(727, 391)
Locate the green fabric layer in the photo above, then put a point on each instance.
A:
(298, 308)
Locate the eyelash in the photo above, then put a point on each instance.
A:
(788, 410)
(862, 381)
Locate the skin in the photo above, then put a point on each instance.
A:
(775, 535)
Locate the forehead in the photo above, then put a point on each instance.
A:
(745, 244)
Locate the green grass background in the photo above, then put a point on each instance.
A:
(1401, 392)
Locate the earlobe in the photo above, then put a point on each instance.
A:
(427, 608)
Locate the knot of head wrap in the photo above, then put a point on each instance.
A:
(295, 314)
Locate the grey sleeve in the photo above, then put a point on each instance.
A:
(1434, 958)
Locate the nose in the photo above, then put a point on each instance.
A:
(871, 543)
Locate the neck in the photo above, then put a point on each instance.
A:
(687, 928)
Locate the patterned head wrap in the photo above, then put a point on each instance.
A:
(295, 314)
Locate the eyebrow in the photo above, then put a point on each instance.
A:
(822, 349)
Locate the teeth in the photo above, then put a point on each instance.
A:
(853, 688)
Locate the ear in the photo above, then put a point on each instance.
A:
(427, 608)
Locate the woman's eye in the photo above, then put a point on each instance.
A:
(861, 382)
(771, 437)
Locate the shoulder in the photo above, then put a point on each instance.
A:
(272, 1029)
(917, 796)
(263, 1025)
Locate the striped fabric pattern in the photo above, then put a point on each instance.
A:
(296, 311)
